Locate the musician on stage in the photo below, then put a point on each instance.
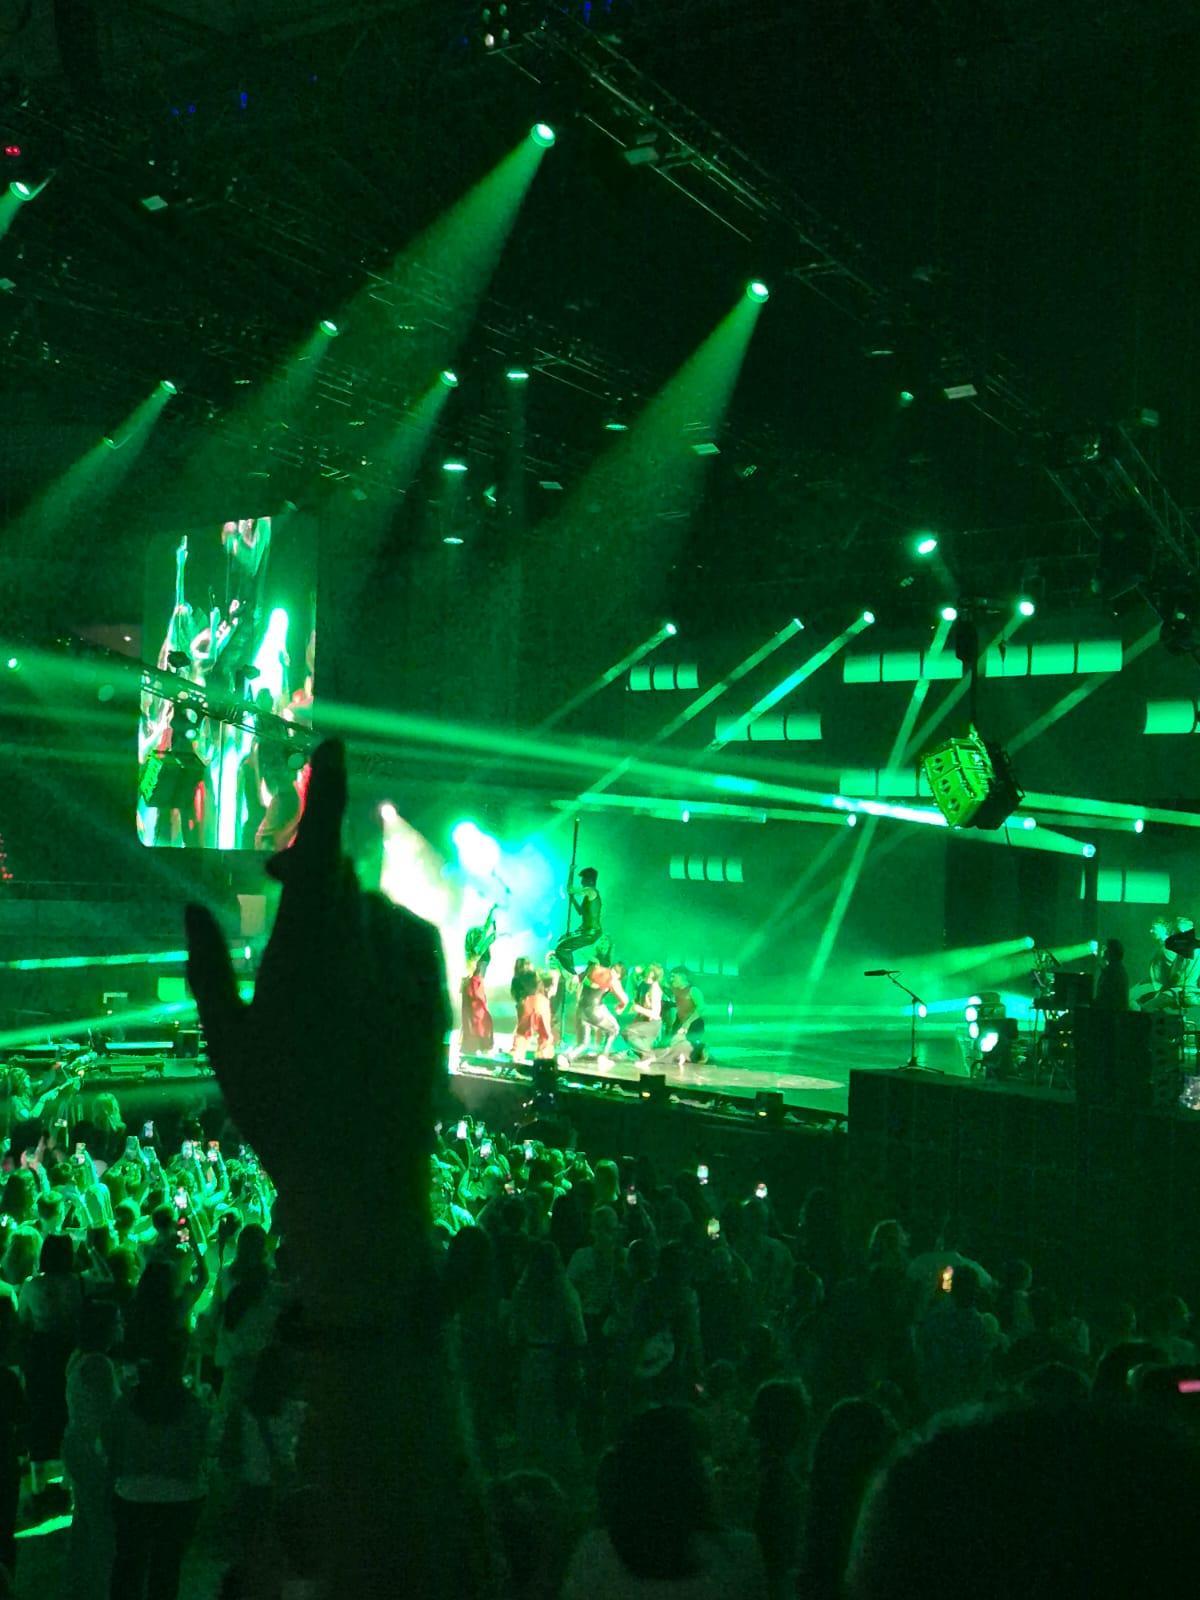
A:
(1112, 980)
(587, 902)
(1174, 973)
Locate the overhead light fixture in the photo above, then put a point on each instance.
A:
(328, 328)
(12, 663)
(906, 397)
(708, 448)
(1026, 608)
(613, 425)
(517, 375)
(949, 613)
(542, 134)
(454, 465)
(451, 538)
(449, 377)
(926, 544)
(670, 629)
(167, 386)
(20, 191)
(960, 391)
(868, 617)
(1139, 825)
(757, 291)
(154, 202)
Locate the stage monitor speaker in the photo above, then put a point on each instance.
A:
(653, 1086)
(768, 1107)
(1130, 1059)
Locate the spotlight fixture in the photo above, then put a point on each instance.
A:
(449, 377)
(542, 134)
(613, 425)
(949, 613)
(454, 465)
(167, 386)
(1025, 608)
(670, 629)
(906, 397)
(329, 328)
(12, 663)
(757, 291)
(1139, 825)
(1029, 824)
(451, 538)
(1089, 851)
(20, 191)
(868, 617)
(926, 544)
(517, 375)
(852, 820)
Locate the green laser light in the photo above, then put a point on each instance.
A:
(454, 465)
(167, 386)
(542, 135)
(1026, 608)
(517, 375)
(926, 544)
(328, 327)
(757, 291)
(448, 377)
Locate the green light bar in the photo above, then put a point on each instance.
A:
(144, 958)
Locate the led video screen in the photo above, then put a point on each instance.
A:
(227, 700)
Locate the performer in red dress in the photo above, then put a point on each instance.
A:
(478, 1031)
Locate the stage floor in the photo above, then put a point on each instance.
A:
(814, 1074)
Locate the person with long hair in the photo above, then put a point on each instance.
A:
(93, 1389)
(49, 1308)
(660, 1533)
(156, 1445)
(855, 1439)
(478, 1032)
(546, 1326)
(13, 1427)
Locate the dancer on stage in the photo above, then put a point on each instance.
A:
(689, 1018)
(535, 1026)
(478, 1030)
(587, 902)
(602, 977)
(642, 1029)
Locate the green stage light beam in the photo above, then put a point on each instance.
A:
(699, 704)
(166, 1011)
(144, 958)
(922, 736)
(1114, 810)
(1076, 697)
(792, 681)
(95, 477)
(862, 848)
(638, 653)
(765, 932)
(653, 471)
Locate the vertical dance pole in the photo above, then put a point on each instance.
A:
(562, 977)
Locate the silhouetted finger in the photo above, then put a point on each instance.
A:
(318, 842)
(211, 976)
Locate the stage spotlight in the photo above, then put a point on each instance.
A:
(972, 1013)
(451, 538)
(20, 191)
(1025, 608)
(12, 663)
(167, 386)
(328, 328)
(1089, 851)
(1030, 942)
(448, 377)
(868, 617)
(615, 426)
(757, 291)
(926, 544)
(454, 465)
(852, 819)
(949, 614)
(542, 134)
(907, 397)
(517, 375)
(670, 629)
(1029, 823)
(1139, 825)
(387, 813)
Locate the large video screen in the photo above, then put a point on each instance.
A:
(231, 612)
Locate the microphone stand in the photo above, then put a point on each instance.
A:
(915, 1003)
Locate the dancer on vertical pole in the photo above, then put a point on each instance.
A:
(562, 988)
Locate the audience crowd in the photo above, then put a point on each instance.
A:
(670, 1388)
